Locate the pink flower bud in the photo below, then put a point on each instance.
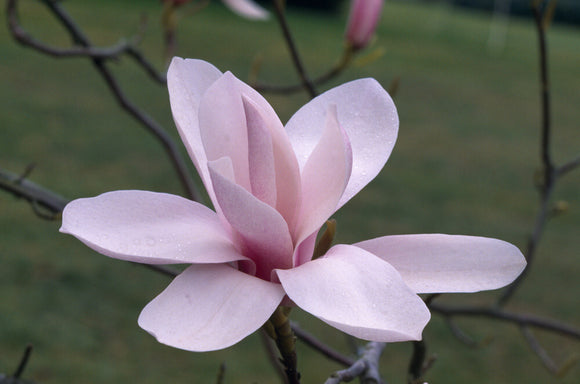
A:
(363, 19)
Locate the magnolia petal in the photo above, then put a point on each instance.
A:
(187, 81)
(432, 263)
(222, 123)
(247, 8)
(368, 115)
(359, 294)
(304, 251)
(260, 155)
(210, 307)
(324, 177)
(288, 185)
(149, 227)
(266, 237)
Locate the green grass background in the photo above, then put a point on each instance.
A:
(464, 163)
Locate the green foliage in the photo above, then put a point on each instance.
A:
(464, 161)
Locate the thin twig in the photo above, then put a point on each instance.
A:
(136, 55)
(306, 82)
(549, 173)
(539, 350)
(510, 317)
(318, 81)
(460, 333)
(151, 125)
(367, 367)
(22, 365)
(221, 374)
(24, 38)
(567, 167)
(37, 196)
(321, 347)
(83, 43)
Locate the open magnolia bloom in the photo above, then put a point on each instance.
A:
(273, 187)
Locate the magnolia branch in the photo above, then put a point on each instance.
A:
(318, 81)
(99, 57)
(367, 367)
(567, 167)
(39, 196)
(550, 173)
(510, 317)
(306, 82)
(45, 203)
(321, 347)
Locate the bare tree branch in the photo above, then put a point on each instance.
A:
(99, 57)
(546, 186)
(287, 89)
(516, 318)
(306, 82)
(367, 367)
(321, 347)
(567, 167)
(460, 334)
(23, 362)
(37, 196)
(539, 350)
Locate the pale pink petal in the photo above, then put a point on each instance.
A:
(248, 9)
(222, 123)
(368, 115)
(149, 227)
(260, 155)
(187, 81)
(304, 251)
(324, 178)
(266, 237)
(288, 185)
(359, 294)
(210, 307)
(443, 263)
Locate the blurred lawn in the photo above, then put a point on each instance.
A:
(466, 153)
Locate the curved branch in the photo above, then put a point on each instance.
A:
(367, 367)
(550, 174)
(567, 167)
(99, 56)
(321, 80)
(33, 193)
(318, 345)
(516, 318)
(306, 82)
(539, 350)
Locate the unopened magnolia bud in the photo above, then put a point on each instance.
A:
(362, 21)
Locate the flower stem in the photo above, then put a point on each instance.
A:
(278, 327)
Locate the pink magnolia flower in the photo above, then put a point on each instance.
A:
(362, 21)
(273, 187)
(247, 9)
